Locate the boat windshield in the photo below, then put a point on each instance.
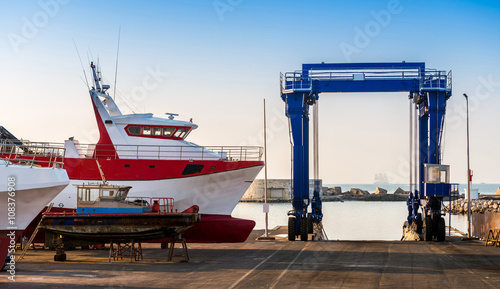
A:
(122, 193)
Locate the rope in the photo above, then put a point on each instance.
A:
(316, 140)
(291, 151)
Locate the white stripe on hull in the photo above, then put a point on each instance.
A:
(216, 193)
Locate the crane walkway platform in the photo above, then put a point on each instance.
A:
(273, 264)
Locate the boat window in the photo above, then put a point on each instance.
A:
(146, 130)
(108, 193)
(94, 194)
(178, 132)
(185, 133)
(157, 131)
(168, 131)
(192, 169)
(87, 194)
(81, 195)
(134, 130)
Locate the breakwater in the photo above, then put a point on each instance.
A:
(483, 205)
(279, 191)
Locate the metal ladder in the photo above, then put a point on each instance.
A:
(25, 249)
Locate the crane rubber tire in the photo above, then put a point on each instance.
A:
(60, 257)
(428, 229)
(441, 230)
(309, 224)
(303, 229)
(291, 228)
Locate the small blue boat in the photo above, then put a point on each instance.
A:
(106, 214)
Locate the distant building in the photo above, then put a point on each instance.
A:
(277, 190)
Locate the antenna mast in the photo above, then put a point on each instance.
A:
(83, 67)
(116, 68)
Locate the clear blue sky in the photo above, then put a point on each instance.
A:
(216, 60)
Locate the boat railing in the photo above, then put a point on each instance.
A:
(162, 205)
(33, 154)
(64, 214)
(188, 151)
(157, 204)
(138, 201)
(224, 153)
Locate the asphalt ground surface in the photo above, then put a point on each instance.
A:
(272, 264)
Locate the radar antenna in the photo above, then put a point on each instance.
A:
(171, 115)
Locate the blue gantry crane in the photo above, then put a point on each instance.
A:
(429, 89)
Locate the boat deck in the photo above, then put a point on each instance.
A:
(273, 264)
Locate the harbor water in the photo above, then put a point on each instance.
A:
(355, 220)
(349, 220)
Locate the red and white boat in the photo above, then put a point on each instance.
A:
(25, 189)
(151, 155)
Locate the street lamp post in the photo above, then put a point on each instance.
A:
(266, 205)
(468, 170)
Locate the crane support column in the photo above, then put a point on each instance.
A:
(297, 110)
(435, 181)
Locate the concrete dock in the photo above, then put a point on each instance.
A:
(272, 264)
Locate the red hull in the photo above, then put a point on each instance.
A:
(4, 247)
(219, 229)
(4, 244)
(144, 169)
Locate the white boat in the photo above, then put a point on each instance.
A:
(151, 155)
(26, 188)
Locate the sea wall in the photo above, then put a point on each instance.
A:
(279, 190)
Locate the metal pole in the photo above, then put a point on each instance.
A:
(449, 217)
(265, 172)
(415, 149)
(468, 170)
(411, 147)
